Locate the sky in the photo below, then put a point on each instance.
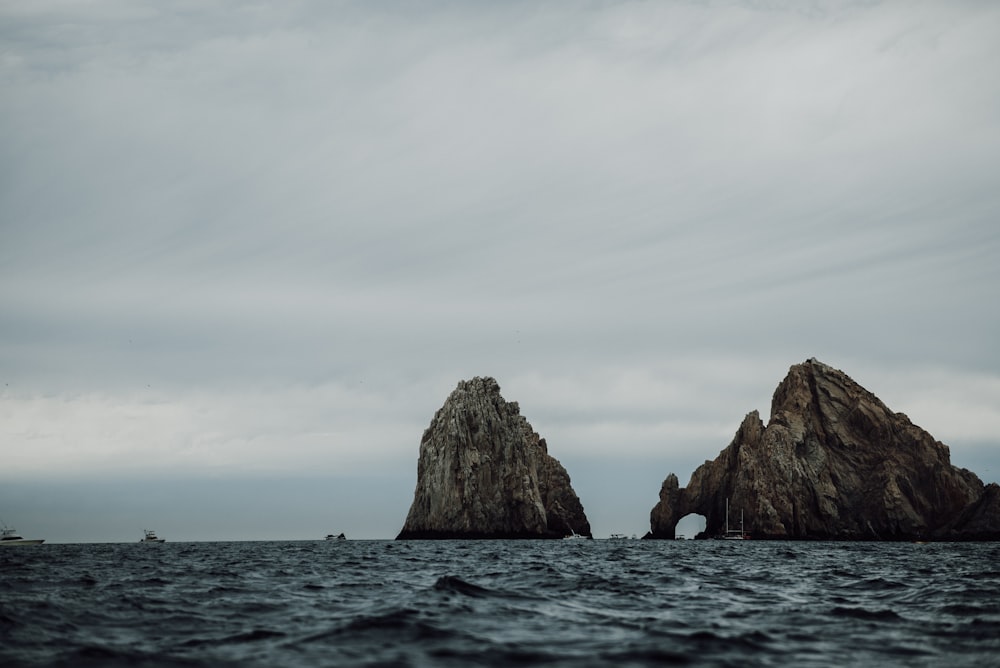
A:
(248, 249)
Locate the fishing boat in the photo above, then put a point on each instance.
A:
(151, 537)
(734, 534)
(330, 536)
(9, 536)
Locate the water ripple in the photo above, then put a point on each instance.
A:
(497, 603)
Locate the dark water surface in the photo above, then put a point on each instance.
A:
(498, 603)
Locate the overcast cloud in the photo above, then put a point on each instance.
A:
(247, 250)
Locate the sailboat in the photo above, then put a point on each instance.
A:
(734, 534)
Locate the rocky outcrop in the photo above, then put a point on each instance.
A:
(833, 462)
(979, 521)
(483, 472)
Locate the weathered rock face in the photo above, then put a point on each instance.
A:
(483, 472)
(979, 521)
(833, 462)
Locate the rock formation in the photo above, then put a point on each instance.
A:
(483, 472)
(979, 521)
(833, 462)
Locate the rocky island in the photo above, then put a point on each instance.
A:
(483, 472)
(833, 462)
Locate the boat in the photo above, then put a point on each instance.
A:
(330, 536)
(150, 537)
(9, 536)
(575, 536)
(734, 534)
(618, 536)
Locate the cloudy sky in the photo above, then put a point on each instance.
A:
(248, 249)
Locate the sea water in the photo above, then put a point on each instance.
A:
(500, 603)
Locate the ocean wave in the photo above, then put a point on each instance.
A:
(457, 603)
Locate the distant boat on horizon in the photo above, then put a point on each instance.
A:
(151, 537)
(8, 536)
(330, 536)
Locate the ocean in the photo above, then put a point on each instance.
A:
(501, 603)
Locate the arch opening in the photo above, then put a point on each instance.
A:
(690, 526)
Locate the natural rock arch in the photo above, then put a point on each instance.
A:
(833, 462)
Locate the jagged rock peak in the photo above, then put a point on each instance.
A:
(832, 462)
(483, 472)
(821, 386)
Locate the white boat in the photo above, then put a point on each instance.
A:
(734, 534)
(9, 537)
(575, 536)
(330, 536)
(618, 536)
(150, 537)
